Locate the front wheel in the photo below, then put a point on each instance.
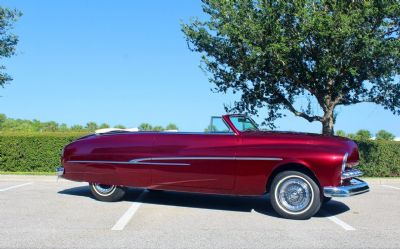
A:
(109, 193)
(295, 195)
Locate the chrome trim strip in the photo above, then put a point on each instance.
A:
(260, 158)
(102, 162)
(145, 161)
(207, 158)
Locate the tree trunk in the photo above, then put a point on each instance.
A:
(327, 124)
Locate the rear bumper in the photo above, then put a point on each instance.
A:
(354, 187)
(60, 171)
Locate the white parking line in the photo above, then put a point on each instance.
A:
(388, 186)
(127, 216)
(16, 186)
(337, 221)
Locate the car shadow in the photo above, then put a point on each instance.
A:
(259, 204)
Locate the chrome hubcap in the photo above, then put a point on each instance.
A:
(104, 189)
(294, 194)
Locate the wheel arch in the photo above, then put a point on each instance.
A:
(294, 166)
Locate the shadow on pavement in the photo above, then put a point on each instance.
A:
(259, 204)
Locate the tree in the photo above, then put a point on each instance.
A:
(340, 133)
(158, 128)
(120, 126)
(63, 127)
(76, 128)
(171, 126)
(8, 41)
(145, 127)
(274, 52)
(3, 118)
(104, 125)
(91, 126)
(384, 135)
(210, 128)
(50, 126)
(362, 135)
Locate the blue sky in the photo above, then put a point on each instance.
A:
(126, 62)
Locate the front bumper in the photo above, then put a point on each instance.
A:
(60, 171)
(354, 187)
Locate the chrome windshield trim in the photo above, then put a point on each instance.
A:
(153, 160)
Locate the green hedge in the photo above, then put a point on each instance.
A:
(379, 158)
(32, 152)
(40, 152)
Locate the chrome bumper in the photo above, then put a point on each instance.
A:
(60, 171)
(355, 187)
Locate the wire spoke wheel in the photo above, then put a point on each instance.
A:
(294, 194)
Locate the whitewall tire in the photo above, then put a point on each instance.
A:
(295, 195)
(109, 193)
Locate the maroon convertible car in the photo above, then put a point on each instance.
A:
(299, 171)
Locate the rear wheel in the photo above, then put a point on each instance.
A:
(295, 195)
(109, 193)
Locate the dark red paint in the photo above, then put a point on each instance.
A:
(322, 155)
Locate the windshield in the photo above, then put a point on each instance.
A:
(243, 123)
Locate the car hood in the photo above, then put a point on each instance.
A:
(312, 139)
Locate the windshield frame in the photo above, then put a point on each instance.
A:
(247, 118)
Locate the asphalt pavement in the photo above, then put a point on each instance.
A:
(41, 212)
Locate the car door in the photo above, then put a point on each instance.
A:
(196, 162)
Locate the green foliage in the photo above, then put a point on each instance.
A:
(24, 125)
(91, 126)
(76, 128)
(171, 126)
(210, 128)
(363, 135)
(158, 128)
(33, 152)
(145, 127)
(8, 41)
(273, 52)
(104, 126)
(384, 135)
(340, 133)
(380, 158)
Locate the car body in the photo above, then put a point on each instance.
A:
(234, 157)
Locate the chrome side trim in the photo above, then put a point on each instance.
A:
(101, 162)
(207, 158)
(152, 160)
(259, 158)
(355, 187)
(129, 162)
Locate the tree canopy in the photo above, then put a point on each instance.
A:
(275, 52)
(25, 125)
(384, 135)
(363, 135)
(8, 40)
